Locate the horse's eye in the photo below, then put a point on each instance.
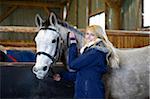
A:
(53, 41)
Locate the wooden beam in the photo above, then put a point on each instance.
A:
(21, 29)
(7, 13)
(23, 64)
(46, 10)
(76, 11)
(33, 4)
(96, 11)
(127, 33)
(109, 3)
(113, 4)
(21, 48)
(17, 64)
(68, 8)
(114, 14)
(18, 29)
(120, 38)
(17, 44)
(90, 7)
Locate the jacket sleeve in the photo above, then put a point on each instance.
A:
(73, 52)
(89, 58)
(69, 76)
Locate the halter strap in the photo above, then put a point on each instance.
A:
(53, 58)
(48, 29)
(56, 47)
(44, 53)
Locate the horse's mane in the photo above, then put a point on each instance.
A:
(66, 25)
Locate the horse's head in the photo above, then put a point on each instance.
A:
(52, 33)
(47, 43)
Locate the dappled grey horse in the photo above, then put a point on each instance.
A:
(129, 81)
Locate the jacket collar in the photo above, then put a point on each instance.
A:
(90, 44)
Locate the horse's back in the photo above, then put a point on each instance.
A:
(134, 56)
(131, 80)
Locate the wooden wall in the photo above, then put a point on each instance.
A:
(128, 39)
(131, 14)
(80, 11)
(96, 6)
(23, 12)
(120, 14)
(24, 38)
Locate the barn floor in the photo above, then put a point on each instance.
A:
(20, 82)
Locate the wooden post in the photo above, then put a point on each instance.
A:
(82, 13)
(7, 13)
(114, 18)
(73, 13)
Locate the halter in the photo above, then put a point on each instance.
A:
(55, 57)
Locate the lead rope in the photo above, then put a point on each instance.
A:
(68, 39)
(59, 45)
(52, 71)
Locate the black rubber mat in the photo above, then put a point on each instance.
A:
(20, 82)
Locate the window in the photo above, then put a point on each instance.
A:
(146, 13)
(98, 19)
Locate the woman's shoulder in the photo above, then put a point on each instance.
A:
(100, 46)
(95, 51)
(99, 49)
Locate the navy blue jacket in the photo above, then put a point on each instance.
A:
(89, 66)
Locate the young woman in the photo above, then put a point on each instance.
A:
(96, 56)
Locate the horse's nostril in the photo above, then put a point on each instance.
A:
(44, 68)
(34, 69)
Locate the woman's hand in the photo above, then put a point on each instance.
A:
(72, 35)
(72, 38)
(56, 77)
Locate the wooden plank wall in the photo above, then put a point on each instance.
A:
(129, 39)
(119, 38)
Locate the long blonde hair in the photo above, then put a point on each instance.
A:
(112, 57)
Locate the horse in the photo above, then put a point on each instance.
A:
(129, 81)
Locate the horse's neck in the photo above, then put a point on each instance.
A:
(64, 31)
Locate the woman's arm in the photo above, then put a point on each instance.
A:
(90, 58)
(65, 75)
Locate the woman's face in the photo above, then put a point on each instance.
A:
(89, 36)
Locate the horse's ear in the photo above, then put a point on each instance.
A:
(53, 20)
(38, 20)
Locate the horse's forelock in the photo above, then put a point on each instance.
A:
(46, 23)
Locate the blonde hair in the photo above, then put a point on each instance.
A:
(112, 57)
